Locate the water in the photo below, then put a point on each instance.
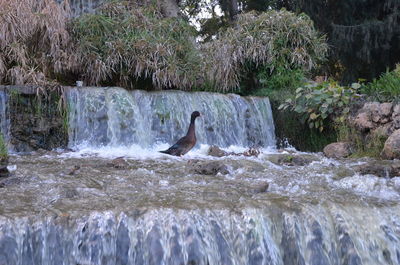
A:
(157, 210)
(4, 117)
(80, 207)
(116, 117)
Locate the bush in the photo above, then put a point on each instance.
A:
(270, 42)
(386, 88)
(318, 103)
(126, 42)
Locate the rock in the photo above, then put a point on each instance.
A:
(363, 122)
(216, 151)
(252, 152)
(383, 169)
(73, 171)
(209, 168)
(385, 130)
(4, 171)
(338, 150)
(261, 187)
(292, 160)
(391, 149)
(385, 109)
(119, 163)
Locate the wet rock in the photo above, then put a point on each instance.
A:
(209, 168)
(261, 187)
(74, 170)
(3, 167)
(252, 152)
(292, 159)
(383, 169)
(391, 149)
(338, 150)
(216, 151)
(119, 163)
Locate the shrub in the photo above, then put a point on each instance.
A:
(319, 102)
(385, 88)
(125, 42)
(272, 41)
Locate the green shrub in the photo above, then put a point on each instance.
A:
(320, 102)
(278, 84)
(264, 44)
(385, 88)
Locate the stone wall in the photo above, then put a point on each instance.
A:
(35, 119)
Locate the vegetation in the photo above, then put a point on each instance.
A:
(34, 43)
(318, 103)
(3, 149)
(269, 42)
(385, 88)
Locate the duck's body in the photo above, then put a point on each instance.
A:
(186, 143)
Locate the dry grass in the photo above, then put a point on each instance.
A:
(130, 43)
(34, 41)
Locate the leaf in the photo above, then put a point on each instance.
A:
(313, 116)
(355, 85)
(299, 90)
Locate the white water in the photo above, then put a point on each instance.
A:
(114, 117)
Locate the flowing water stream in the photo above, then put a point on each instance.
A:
(79, 207)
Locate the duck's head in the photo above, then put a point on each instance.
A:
(195, 114)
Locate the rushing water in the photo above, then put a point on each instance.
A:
(4, 119)
(117, 117)
(83, 207)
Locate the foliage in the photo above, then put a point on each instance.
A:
(279, 84)
(386, 88)
(319, 102)
(271, 39)
(34, 41)
(124, 42)
(289, 128)
(3, 148)
(370, 146)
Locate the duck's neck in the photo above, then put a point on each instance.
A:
(191, 130)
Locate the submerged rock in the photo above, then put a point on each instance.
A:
(391, 149)
(209, 168)
(218, 152)
(338, 150)
(383, 169)
(119, 163)
(292, 160)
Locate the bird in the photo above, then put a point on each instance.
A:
(183, 145)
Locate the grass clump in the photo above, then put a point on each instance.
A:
(385, 88)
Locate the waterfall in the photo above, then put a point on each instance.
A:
(4, 117)
(318, 236)
(117, 117)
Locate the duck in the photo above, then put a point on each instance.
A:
(186, 143)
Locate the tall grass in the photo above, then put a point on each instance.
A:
(34, 41)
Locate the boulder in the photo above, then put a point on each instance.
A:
(391, 149)
(3, 167)
(383, 169)
(292, 160)
(119, 163)
(338, 150)
(363, 122)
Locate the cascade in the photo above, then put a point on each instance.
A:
(117, 117)
(4, 118)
